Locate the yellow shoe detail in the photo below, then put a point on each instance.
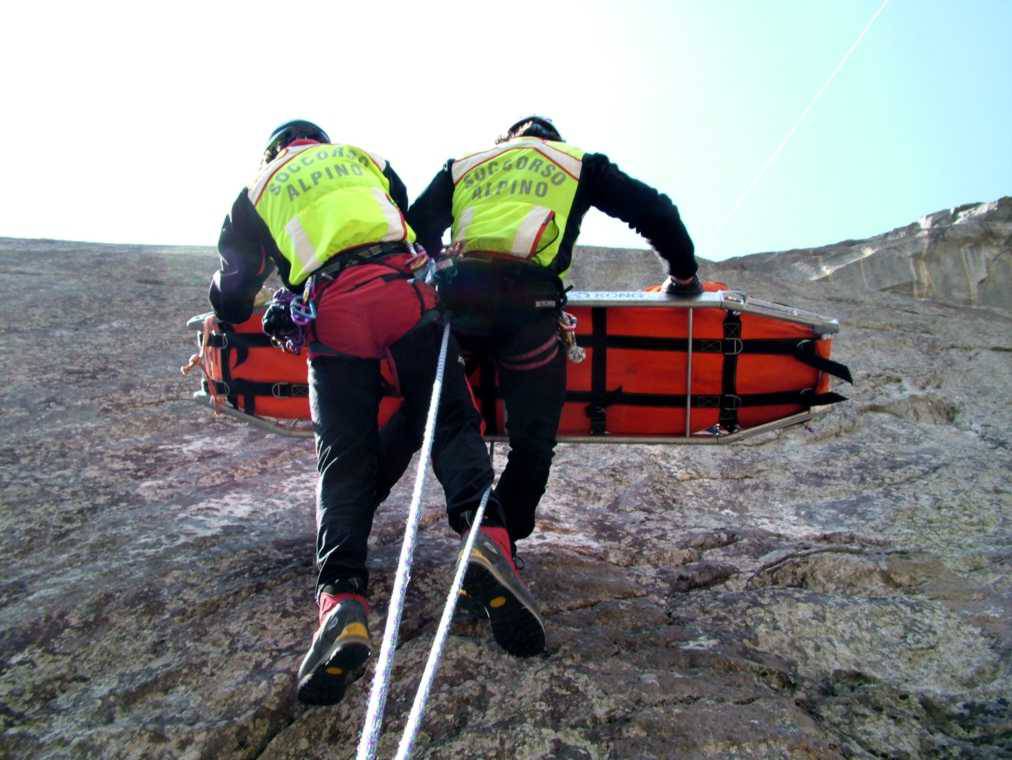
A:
(354, 629)
(497, 602)
(333, 670)
(463, 593)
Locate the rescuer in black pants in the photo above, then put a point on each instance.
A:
(515, 211)
(359, 464)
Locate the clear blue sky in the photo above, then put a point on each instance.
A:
(126, 122)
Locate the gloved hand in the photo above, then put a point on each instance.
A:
(683, 289)
(277, 320)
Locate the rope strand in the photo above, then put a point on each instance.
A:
(436, 652)
(381, 679)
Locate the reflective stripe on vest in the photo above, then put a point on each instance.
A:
(319, 200)
(515, 198)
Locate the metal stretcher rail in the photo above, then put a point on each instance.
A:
(303, 429)
(730, 300)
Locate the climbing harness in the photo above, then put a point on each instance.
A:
(482, 286)
(287, 319)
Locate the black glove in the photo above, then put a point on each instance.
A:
(684, 290)
(277, 320)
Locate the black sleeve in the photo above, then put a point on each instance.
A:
(244, 262)
(432, 211)
(650, 213)
(398, 191)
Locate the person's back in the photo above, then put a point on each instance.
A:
(514, 211)
(526, 198)
(312, 200)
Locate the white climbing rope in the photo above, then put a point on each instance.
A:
(436, 652)
(381, 679)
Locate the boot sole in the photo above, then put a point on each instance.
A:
(469, 609)
(343, 665)
(515, 626)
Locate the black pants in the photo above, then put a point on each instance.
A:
(532, 379)
(358, 465)
(502, 309)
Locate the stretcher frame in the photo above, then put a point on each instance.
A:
(728, 300)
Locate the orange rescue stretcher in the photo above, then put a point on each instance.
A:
(656, 369)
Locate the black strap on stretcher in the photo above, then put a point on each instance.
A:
(238, 340)
(249, 390)
(802, 349)
(596, 410)
(231, 388)
(731, 345)
(224, 338)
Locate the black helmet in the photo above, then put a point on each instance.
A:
(290, 131)
(534, 126)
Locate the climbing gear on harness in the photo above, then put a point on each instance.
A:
(302, 312)
(381, 679)
(286, 320)
(567, 333)
(339, 650)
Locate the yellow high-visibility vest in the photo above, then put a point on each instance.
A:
(320, 200)
(515, 199)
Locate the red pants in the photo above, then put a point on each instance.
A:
(369, 307)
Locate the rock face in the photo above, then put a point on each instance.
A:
(836, 590)
(963, 255)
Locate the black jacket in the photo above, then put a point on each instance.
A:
(602, 185)
(248, 255)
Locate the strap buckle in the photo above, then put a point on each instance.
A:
(217, 340)
(806, 348)
(289, 390)
(730, 402)
(732, 346)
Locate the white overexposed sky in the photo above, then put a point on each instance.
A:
(773, 124)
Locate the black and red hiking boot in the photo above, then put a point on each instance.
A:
(493, 584)
(339, 650)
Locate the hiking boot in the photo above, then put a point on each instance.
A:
(468, 609)
(339, 650)
(493, 584)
